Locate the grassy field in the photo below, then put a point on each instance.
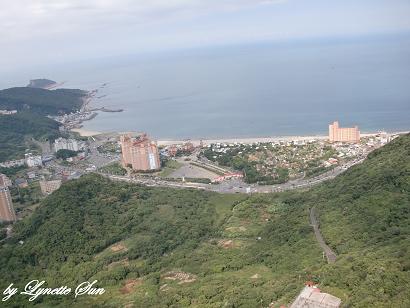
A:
(170, 166)
(113, 168)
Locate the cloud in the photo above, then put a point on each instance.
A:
(35, 31)
(24, 18)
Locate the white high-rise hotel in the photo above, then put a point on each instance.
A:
(345, 134)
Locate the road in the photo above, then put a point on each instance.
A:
(97, 160)
(237, 185)
(330, 255)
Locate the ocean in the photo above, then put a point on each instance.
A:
(255, 90)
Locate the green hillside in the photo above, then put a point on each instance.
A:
(41, 101)
(33, 104)
(365, 217)
(157, 247)
(18, 129)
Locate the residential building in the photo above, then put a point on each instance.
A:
(4, 180)
(345, 134)
(8, 112)
(172, 150)
(66, 144)
(6, 205)
(21, 183)
(228, 176)
(139, 153)
(31, 175)
(47, 187)
(33, 160)
(13, 163)
(188, 147)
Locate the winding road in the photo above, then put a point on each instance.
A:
(330, 254)
(237, 185)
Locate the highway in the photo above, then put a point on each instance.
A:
(238, 186)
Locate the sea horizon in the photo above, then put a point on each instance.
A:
(248, 91)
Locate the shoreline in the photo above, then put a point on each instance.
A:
(91, 94)
(246, 140)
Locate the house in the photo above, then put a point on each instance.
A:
(21, 183)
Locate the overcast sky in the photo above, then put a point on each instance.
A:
(39, 31)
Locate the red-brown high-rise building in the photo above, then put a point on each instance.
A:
(140, 153)
(4, 180)
(345, 134)
(6, 205)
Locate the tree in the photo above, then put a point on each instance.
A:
(64, 154)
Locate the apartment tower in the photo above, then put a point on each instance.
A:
(139, 153)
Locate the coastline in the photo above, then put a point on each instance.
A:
(196, 142)
(85, 133)
(250, 140)
(88, 108)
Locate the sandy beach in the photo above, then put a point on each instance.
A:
(196, 142)
(85, 133)
(262, 139)
(243, 140)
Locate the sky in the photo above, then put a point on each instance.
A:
(33, 32)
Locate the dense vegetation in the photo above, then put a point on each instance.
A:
(13, 171)
(41, 101)
(113, 168)
(157, 247)
(17, 130)
(33, 104)
(268, 163)
(64, 153)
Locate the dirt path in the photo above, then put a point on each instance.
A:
(330, 255)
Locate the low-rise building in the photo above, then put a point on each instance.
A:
(188, 147)
(228, 176)
(172, 150)
(13, 163)
(8, 112)
(31, 175)
(47, 187)
(33, 160)
(4, 180)
(66, 144)
(21, 183)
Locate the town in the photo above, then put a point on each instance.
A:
(234, 167)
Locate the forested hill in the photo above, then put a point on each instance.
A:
(365, 217)
(18, 129)
(41, 101)
(157, 247)
(32, 104)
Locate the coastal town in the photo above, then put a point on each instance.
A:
(248, 153)
(226, 166)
